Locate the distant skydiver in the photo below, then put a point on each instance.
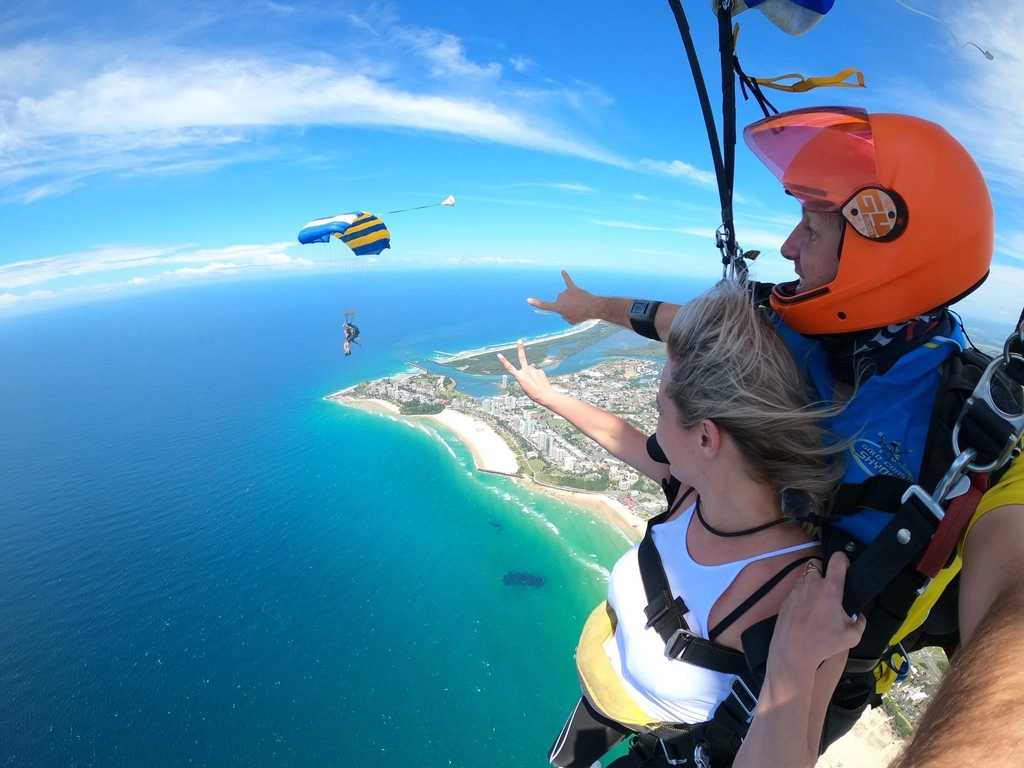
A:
(351, 336)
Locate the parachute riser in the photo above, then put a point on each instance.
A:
(723, 152)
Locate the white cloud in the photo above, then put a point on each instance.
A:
(999, 298)
(167, 111)
(447, 55)
(565, 186)
(521, 64)
(121, 258)
(679, 169)
(632, 225)
(639, 197)
(8, 300)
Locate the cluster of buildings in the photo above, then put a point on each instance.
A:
(625, 387)
(423, 390)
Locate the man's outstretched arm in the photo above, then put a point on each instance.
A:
(977, 716)
(576, 306)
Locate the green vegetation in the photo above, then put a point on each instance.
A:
(419, 408)
(486, 363)
(899, 720)
(595, 481)
(650, 349)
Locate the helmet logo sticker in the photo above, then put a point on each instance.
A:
(876, 213)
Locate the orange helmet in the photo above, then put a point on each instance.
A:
(919, 226)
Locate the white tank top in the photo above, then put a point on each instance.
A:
(669, 690)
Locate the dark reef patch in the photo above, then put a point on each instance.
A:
(524, 579)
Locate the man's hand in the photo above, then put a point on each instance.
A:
(574, 304)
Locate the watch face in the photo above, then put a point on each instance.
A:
(638, 308)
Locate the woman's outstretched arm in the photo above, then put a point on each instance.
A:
(621, 439)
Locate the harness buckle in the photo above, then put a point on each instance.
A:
(745, 697)
(957, 470)
(682, 637)
(701, 758)
(672, 759)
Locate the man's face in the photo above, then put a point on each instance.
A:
(813, 248)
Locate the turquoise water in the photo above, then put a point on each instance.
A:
(202, 562)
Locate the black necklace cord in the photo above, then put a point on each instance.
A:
(734, 534)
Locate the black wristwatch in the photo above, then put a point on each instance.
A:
(641, 317)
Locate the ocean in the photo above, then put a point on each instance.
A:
(204, 563)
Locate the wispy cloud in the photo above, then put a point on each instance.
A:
(145, 262)
(70, 112)
(633, 225)
(564, 186)
(679, 169)
(521, 64)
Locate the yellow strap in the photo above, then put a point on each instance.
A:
(802, 84)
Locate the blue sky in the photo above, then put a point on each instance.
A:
(154, 145)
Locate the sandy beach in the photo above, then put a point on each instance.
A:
(600, 504)
(492, 454)
(490, 451)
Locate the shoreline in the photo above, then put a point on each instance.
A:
(444, 358)
(602, 505)
(492, 455)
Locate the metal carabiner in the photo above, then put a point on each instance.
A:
(983, 392)
(949, 482)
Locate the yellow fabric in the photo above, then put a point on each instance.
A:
(601, 684)
(885, 674)
(802, 84)
(1009, 490)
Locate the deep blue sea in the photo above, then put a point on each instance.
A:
(204, 563)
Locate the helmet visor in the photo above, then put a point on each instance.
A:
(822, 155)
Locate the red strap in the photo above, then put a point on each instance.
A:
(958, 516)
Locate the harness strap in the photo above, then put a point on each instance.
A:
(804, 84)
(902, 540)
(880, 493)
(959, 514)
(751, 601)
(666, 614)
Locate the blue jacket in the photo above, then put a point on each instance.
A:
(888, 416)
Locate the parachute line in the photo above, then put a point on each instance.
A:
(984, 53)
(448, 201)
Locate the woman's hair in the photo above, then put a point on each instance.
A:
(730, 365)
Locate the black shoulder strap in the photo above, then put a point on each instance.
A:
(665, 613)
(756, 597)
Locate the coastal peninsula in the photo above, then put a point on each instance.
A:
(510, 435)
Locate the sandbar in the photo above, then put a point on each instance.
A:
(446, 358)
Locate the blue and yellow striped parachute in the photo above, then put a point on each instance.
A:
(363, 232)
